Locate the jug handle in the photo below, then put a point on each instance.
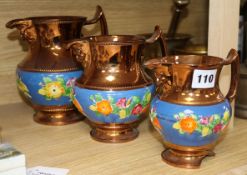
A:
(25, 27)
(158, 35)
(99, 16)
(233, 59)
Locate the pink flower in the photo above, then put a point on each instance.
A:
(204, 120)
(217, 128)
(121, 103)
(137, 109)
(70, 82)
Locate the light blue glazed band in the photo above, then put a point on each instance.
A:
(119, 107)
(47, 89)
(190, 125)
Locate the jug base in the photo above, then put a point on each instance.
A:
(57, 118)
(185, 159)
(113, 133)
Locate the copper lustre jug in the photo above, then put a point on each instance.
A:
(46, 76)
(114, 92)
(189, 110)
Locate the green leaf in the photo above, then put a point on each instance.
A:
(47, 80)
(216, 117)
(199, 127)
(68, 91)
(136, 99)
(91, 98)
(181, 114)
(194, 116)
(61, 80)
(47, 98)
(98, 113)
(128, 111)
(98, 97)
(115, 109)
(181, 132)
(111, 100)
(211, 125)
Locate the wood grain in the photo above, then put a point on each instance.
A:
(223, 34)
(123, 16)
(71, 147)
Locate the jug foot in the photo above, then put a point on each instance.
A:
(113, 133)
(185, 159)
(57, 118)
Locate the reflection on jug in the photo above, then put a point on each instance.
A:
(46, 76)
(189, 110)
(114, 92)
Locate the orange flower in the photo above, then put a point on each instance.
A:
(104, 107)
(188, 124)
(156, 123)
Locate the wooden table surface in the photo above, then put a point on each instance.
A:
(71, 147)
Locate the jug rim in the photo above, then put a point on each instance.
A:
(58, 19)
(114, 39)
(193, 60)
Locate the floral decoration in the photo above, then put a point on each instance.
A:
(154, 119)
(54, 89)
(188, 122)
(23, 88)
(123, 107)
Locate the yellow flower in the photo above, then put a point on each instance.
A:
(93, 108)
(23, 88)
(122, 114)
(226, 115)
(176, 125)
(205, 131)
(149, 97)
(52, 90)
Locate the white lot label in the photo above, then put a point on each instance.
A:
(204, 78)
(41, 170)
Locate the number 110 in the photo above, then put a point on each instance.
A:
(206, 78)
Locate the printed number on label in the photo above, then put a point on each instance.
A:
(203, 78)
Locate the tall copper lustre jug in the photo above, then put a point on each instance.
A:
(46, 76)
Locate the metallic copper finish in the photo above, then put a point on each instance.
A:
(114, 133)
(184, 159)
(55, 115)
(47, 36)
(112, 62)
(174, 77)
(57, 118)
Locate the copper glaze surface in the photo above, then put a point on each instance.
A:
(112, 61)
(46, 36)
(174, 78)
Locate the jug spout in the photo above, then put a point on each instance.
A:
(161, 74)
(27, 31)
(80, 49)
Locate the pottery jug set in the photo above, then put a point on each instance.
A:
(67, 76)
